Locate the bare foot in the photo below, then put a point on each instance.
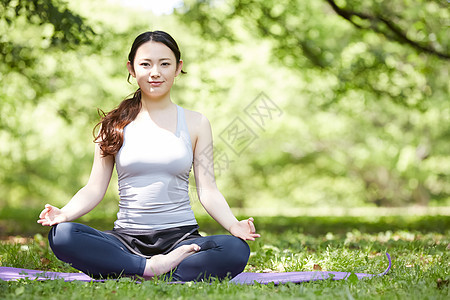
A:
(163, 263)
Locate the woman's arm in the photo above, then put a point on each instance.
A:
(86, 198)
(208, 193)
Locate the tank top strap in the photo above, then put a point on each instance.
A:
(182, 128)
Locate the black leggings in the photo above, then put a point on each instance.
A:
(101, 255)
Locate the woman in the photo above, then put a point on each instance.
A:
(154, 143)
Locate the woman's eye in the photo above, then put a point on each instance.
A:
(145, 64)
(165, 64)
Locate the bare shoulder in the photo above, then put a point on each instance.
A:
(195, 120)
(198, 125)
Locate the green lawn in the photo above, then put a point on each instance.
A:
(419, 246)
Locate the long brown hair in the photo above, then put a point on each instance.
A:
(110, 136)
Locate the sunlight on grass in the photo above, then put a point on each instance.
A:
(420, 257)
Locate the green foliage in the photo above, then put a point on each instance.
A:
(364, 104)
(51, 87)
(31, 253)
(360, 111)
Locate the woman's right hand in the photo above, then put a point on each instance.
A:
(51, 215)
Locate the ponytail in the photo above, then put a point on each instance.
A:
(110, 136)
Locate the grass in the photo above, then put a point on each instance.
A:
(419, 246)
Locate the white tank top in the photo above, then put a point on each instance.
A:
(153, 167)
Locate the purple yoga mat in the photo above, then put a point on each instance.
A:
(297, 277)
(8, 273)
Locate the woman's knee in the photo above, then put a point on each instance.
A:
(237, 250)
(241, 249)
(236, 243)
(61, 235)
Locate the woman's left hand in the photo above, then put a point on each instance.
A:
(244, 229)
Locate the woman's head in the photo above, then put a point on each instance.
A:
(154, 36)
(147, 48)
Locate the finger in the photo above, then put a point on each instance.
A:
(240, 235)
(251, 225)
(43, 222)
(245, 237)
(43, 212)
(47, 209)
(253, 235)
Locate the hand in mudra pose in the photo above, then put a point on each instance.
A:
(244, 229)
(51, 215)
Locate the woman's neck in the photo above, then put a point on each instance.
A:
(151, 104)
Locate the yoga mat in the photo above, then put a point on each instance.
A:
(8, 273)
(298, 277)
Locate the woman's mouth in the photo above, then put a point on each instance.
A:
(156, 83)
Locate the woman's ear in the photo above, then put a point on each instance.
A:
(179, 68)
(131, 69)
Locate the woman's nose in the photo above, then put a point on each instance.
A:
(154, 72)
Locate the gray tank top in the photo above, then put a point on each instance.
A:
(153, 167)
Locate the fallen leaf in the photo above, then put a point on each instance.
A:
(317, 267)
(45, 261)
(441, 283)
(268, 271)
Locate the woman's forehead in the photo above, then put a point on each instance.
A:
(154, 51)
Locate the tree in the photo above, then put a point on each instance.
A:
(375, 78)
(39, 41)
(394, 36)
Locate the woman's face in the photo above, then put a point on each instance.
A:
(155, 68)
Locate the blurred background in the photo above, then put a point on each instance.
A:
(315, 105)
